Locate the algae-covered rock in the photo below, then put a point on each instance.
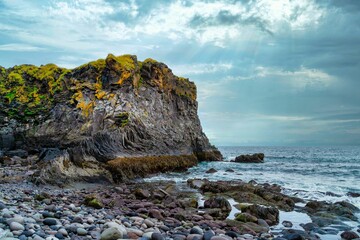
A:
(105, 110)
(93, 201)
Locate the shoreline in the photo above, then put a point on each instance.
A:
(138, 208)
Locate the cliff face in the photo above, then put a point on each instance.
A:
(89, 121)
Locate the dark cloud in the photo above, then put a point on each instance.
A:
(226, 18)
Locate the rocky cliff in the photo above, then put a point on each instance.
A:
(113, 118)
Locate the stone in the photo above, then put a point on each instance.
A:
(293, 236)
(349, 235)
(287, 224)
(269, 214)
(157, 236)
(255, 158)
(149, 223)
(196, 230)
(59, 236)
(142, 193)
(81, 231)
(208, 234)
(353, 194)
(15, 226)
(211, 170)
(111, 233)
(218, 238)
(2, 205)
(147, 235)
(156, 214)
(232, 234)
(194, 237)
(50, 221)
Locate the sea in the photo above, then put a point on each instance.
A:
(311, 173)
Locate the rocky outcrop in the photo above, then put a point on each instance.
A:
(114, 110)
(255, 158)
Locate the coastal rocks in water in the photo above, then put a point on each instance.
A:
(287, 224)
(255, 158)
(332, 210)
(111, 119)
(353, 194)
(269, 214)
(219, 207)
(264, 194)
(349, 235)
(211, 170)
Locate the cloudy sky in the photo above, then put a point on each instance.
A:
(268, 72)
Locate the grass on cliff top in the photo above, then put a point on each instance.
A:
(131, 167)
(27, 90)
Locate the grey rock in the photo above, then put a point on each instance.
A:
(157, 236)
(50, 221)
(111, 233)
(208, 234)
(81, 231)
(15, 226)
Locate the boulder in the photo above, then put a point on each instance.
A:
(255, 158)
(269, 214)
(218, 207)
(116, 118)
(349, 235)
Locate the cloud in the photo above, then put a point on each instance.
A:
(301, 78)
(202, 68)
(16, 47)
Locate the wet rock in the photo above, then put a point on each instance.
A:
(287, 224)
(309, 226)
(230, 170)
(353, 194)
(196, 183)
(255, 158)
(218, 202)
(263, 223)
(293, 236)
(269, 214)
(349, 235)
(332, 210)
(211, 170)
(245, 217)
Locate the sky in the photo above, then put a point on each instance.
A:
(282, 72)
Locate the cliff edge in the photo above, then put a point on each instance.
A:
(110, 119)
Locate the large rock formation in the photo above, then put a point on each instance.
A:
(100, 118)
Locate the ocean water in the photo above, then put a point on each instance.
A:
(311, 173)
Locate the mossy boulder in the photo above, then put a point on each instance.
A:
(93, 201)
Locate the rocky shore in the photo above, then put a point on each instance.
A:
(196, 210)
